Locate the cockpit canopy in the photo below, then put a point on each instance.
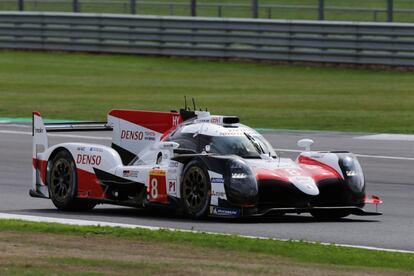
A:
(229, 139)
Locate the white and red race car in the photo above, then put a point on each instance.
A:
(198, 163)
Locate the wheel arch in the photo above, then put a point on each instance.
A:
(50, 158)
(184, 208)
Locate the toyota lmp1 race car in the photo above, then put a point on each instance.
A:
(197, 163)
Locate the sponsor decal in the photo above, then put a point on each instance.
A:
(215, 120)
(235, 132)
(172, 186)
(138, 135)
(39, 130)
(225, 212)
(132, 135)
(149, 136)
(173, 164)
(129, 173)
(175, 120)
(86, 159)
(167, 145)
(95, 149)
(218, 194)
(80, 149)
(216, 180)
(203, 120)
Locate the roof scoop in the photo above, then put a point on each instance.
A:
(231, 120)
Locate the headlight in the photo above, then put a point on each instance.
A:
(239, 170)
(352, 172)
(238, 175)
(241, 185)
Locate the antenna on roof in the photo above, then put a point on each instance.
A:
(194, 106)
(185, 102)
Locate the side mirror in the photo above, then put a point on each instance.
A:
(305, 143)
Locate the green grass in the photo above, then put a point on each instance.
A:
(123, 6)
(85, 87)
(297, 251)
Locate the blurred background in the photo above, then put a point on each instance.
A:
(349, 10)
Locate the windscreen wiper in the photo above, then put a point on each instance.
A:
(257, 145)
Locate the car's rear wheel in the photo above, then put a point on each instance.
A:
(329, 215)
(62, 182)
(195, 190)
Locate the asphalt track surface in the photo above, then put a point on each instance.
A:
(388, 162)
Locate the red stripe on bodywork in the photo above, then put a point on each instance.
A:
(325, 173)
(156, 121)
(41, 166)
(308, 167)
(88, 185)
(264, 174)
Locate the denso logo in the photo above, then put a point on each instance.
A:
(132, 135)
(86, 159)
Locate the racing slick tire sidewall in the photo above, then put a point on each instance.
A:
(69, 202)
(203, 210)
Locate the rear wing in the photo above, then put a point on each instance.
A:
(40, 130)
(72, 126)
(77, 126)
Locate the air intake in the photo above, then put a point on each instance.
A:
(231, 120)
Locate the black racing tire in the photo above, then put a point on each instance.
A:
(195, 190)
(329, 215)
(62, 183)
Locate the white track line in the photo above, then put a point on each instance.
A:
(56, 135)
(109, 139)
(14, 125)
(387, 137)
(6, 216)
(360, 155)
(385, 157)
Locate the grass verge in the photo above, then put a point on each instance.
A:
(290, 253)
(85, 87)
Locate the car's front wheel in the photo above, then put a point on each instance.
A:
(62, 182)
(195, 190)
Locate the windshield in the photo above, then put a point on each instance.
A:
(266, 146)
(245, 146)
(238, 145)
